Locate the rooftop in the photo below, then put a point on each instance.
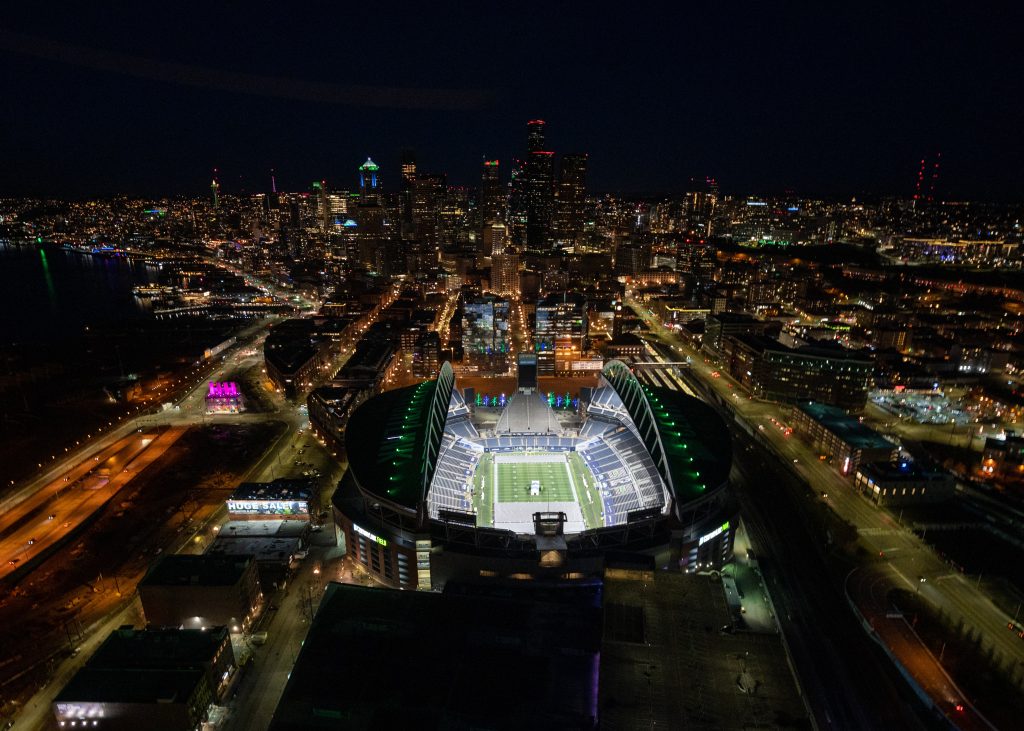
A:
(492, 656)
(158, 648)
(279, 489)
(903, 470)
(846, 427)
(190, 570)
(385, 440)
(664, 664)
(134, 685)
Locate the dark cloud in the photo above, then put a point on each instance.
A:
(241, 83)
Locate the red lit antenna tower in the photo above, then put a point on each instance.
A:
(935, 176)
(919, 183)
(924, 186)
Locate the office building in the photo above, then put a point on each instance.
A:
(505, 274)
(485, 337)
(771, 370)
(841, 439)
(539, 188)
(560, 331)
(905, 482)
(570, 201)
(492, 194)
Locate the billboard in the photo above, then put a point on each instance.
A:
(270, 508)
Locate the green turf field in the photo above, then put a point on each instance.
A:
(557, 485)
(514, 482)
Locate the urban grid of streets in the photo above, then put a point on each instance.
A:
(907, 559)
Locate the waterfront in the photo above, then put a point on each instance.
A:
(50, 292)
(79, 350)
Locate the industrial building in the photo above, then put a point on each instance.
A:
(197, 592)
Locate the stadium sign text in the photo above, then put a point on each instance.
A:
(367, 534)
(714, 534)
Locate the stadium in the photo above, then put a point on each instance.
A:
(439, 488)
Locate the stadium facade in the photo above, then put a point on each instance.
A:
(438, 490)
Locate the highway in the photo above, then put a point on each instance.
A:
(41, 522)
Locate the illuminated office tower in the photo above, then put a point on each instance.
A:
(570, 201)
(517, 204)
(535, 135)
(485, 337)
(492, 195)
(494, 240)
(369, 182)
(505, 274)
(539, 188)
(427, 195)
(406, 193)
(562, 322)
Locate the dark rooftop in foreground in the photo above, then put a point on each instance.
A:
(491, 655)
(189, 570)
(100, 685)
(665, 664)
(846, 427)
(151, 648)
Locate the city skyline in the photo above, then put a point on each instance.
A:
(623, 366)
(826, 105)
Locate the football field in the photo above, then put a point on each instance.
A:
(502, 483)
(514, 480)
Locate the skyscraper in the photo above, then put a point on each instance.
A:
(408, 182)
(570, 200)
(215, 189)
(517, 204)
(492, 196)
(539, 188)
(535, 135)
(427, 195)
(369, 182)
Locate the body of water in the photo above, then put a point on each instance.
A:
(50, 294)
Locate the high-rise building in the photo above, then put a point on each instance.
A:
(495, 240)
(492, 196)
(561, 323)
(379, 242)
(535, 135)
(369, 182)
(517, 204)
(700, 208)
(408, 181)
(505, 274)
(570, 200)
(215, 190)
(427, 196)
(539, 187)
(485, 335)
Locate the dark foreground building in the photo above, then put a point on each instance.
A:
(492, 656)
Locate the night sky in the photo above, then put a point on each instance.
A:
(831, 102)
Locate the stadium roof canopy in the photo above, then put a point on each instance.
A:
(393, 445)
(685, 437)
